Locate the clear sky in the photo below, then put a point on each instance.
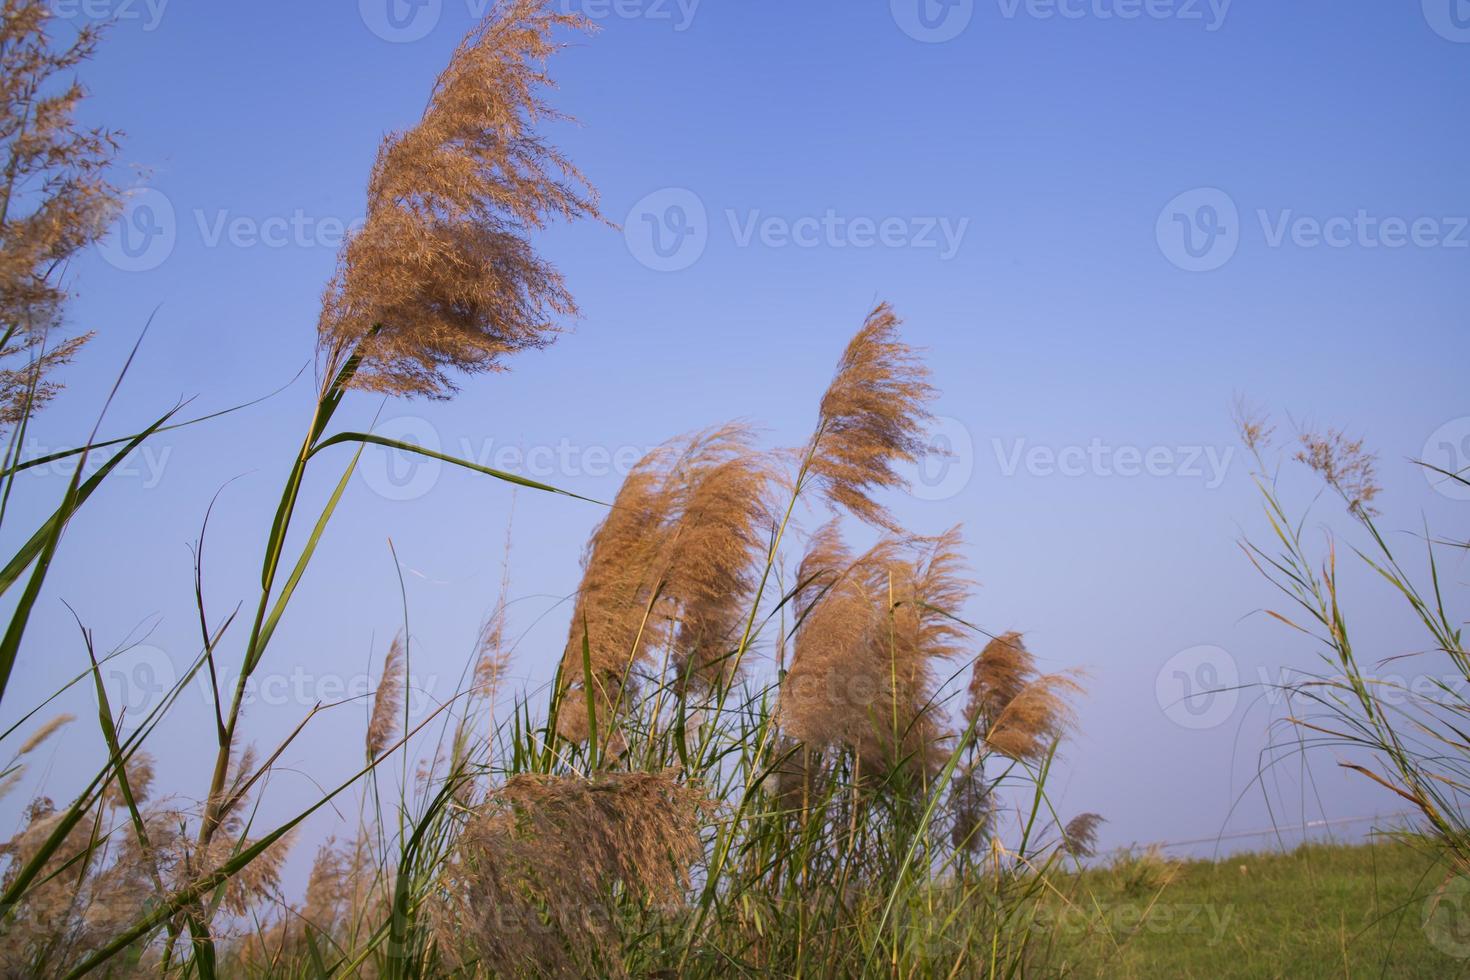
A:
(1103, 219)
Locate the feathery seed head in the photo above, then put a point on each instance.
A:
(387, 701)
(443, 268)
(872, 419)
(41, 734)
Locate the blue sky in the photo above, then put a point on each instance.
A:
(1105, 220)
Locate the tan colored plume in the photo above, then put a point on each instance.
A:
(387, 701)
(444, 267)
(872, 419)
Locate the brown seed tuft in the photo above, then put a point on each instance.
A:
(1018, 712)
(41, 734)
(387, 701)
(57, 199)
(444, 266)
(862, 673)
(673, 563)
(1079, 837)
(872, 419)
(1345, 466)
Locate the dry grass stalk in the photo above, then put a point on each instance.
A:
(720, 537)
(872, 419)
(387, 702)
(620, 573)
(862, 673)
(102, 878)
(55, 198)
(972, 811)
(542, 871)
(1017, 711)
(1345, 466)
(41, 734)
(1079, 836)
(444, 265)
(494, 653)
(673, 564)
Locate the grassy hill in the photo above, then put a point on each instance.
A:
(1318, 911)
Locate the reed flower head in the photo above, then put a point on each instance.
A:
(1079, 836)
(971, 810)
(139, 770)
(672, 564)
(1017, 711)
(620, 576)
(724, 516)
(871, 631)
(442, 278)
(41, 734)
(387, 701)
(1345, 466)
(872, 419)
(57, 199)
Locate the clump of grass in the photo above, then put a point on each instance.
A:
(1406, 738)
(542, 870)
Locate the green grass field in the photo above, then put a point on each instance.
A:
(1319, 911)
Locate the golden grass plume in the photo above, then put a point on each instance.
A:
(443, 266)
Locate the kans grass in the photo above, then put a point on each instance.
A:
(764, 750)
(734, 771)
